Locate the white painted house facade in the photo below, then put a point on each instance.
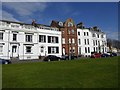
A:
(24, 41)
(90, 40)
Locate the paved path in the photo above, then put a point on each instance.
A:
(25, 61)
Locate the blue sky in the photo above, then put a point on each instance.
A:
(101, 14)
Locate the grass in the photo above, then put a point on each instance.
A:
(83, 73)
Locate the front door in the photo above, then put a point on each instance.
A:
(14, 51)
(42, 51)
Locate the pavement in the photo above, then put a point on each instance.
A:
(25, 61)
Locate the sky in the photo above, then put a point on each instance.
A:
(101, 14)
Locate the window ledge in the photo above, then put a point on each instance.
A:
(28, 53)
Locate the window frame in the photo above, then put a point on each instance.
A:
(79, 33)
(14, 37)
(42, 38)
(53, 50)
(1, 49)
(1, 35)
(30, 48)
(29, 38)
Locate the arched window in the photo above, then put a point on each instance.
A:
(42, 49)
(73, 32)
(60, 24)
(70, 24)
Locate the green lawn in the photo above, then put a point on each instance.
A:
(83, 73)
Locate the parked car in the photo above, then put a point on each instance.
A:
(112, 54)
(4, 61)
(65, 57)
(51, 58)
(95, 55)
(74, 57)
(118, 53)
(105, 55)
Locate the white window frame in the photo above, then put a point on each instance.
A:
(69, 40)
(1, 49)
(70, 24)
(88, 49)
(14, 49)
(1, 35)
(15, 37)
(79, 50)
(30, 49)
(85, 41)
(41, 49)
(79, 41)
(88, 41)
(73, 31)
(73, 49)
(26, 37)
(69, 31)
(42, 39)
(93, 35)
(87, 34)
(73, 40)
(53, 50)
(79, 33)
(63, 40)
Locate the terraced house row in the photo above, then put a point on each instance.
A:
(30, 41)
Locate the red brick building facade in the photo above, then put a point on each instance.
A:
(69, 36)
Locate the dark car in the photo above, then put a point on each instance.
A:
(96, 55)
(113, 54)
(105, 55)
(65, 57)
(51, 58)
(4, 61)
(74, 57)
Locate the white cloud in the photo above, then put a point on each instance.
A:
(112, 34)
(25, 8)
(8, 16)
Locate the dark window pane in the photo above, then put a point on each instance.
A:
(14, 37)
(49, 39)
(44, 38)
(56, 39)
(49, 49)
(57, 49)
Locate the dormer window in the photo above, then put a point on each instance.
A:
(60, 24)
(93, 35)
(102, 36)
(73, 31)
(68, 31)
(70, 24)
